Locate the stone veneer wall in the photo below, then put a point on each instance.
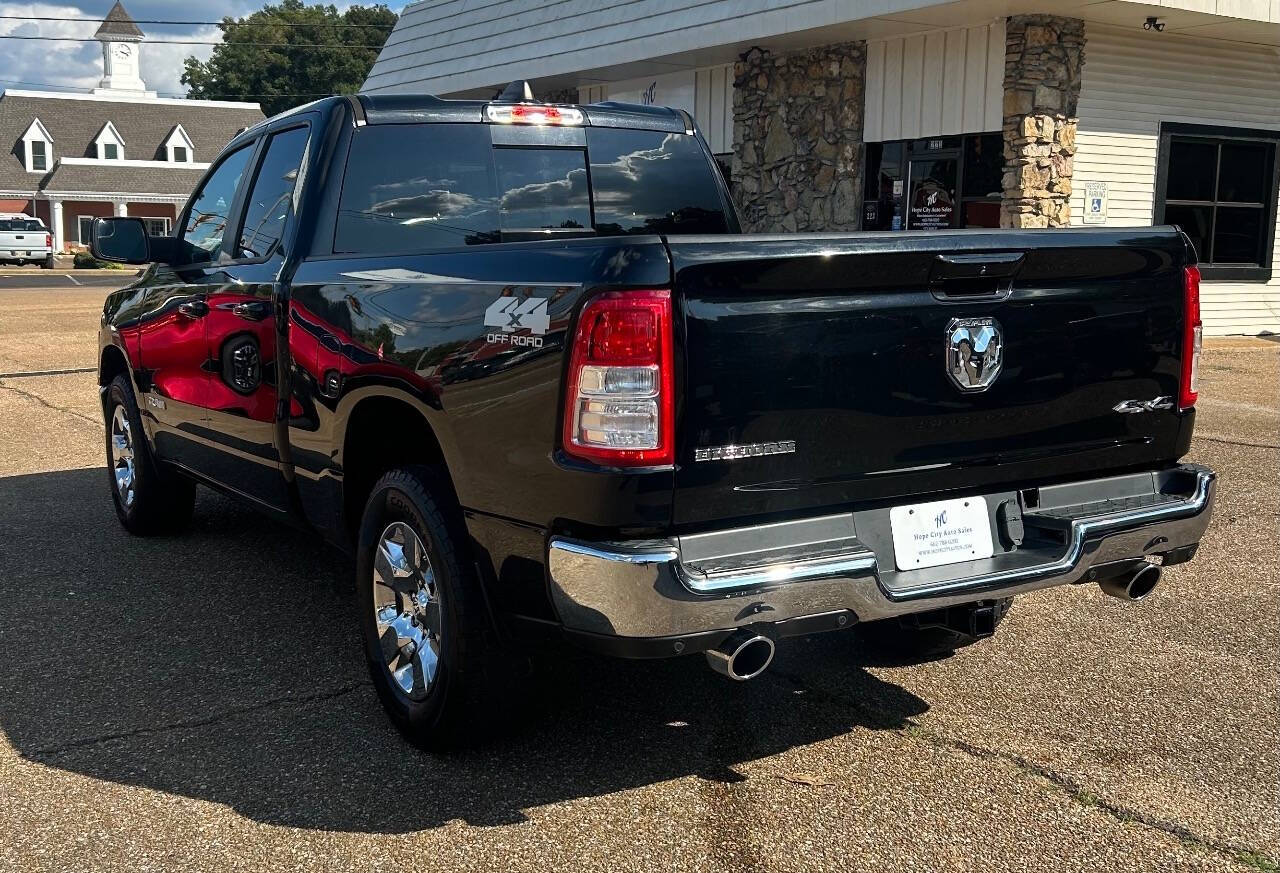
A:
(1043, 62)
(797, 138)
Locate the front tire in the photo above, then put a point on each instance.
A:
(148, 499)
(429, 646)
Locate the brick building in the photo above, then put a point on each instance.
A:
(118, 150)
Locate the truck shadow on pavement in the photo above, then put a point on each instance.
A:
(224, 665)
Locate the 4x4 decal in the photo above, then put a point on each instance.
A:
(515, 313)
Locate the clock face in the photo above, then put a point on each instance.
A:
(123, 51)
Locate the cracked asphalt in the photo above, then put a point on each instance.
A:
(199, 702)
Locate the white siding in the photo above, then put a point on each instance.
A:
(937, 83)
(449, 46)
(1133, 81)
(706, 94)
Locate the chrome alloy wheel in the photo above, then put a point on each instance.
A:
(406, 610)
(121, 459)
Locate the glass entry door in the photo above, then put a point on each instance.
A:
(931, 203)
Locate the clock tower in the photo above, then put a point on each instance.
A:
(121, 42)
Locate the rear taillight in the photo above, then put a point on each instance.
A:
(619, 406)
(48, 240)
(1192, 338)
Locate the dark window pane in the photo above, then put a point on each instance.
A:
(981, 213)
(542, 189)
(207, 222)
(271, 198)
(652, 182)
(1192, 167)
(983, 165)
(1237, 235)
(416, 187)
(884, 170)
(1243, 177)
(1196, 221)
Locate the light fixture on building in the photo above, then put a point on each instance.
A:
(1153, 23)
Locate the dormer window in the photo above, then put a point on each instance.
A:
(109, 143)
(178, 147)
(37, 148)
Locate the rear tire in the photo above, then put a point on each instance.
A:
(148, 499)
(47, 264)
(429, 644)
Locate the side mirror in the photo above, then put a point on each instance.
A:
(122, 240)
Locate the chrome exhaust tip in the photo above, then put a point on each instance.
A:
(1133, 585)
(744, 655)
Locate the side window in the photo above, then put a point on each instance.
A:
(271, 198)
(418, 187)
(207, 222)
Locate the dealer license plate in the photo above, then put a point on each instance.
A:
(943, 532)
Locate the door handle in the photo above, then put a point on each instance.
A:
(254, 310)
(193, 309)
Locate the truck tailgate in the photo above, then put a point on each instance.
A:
(841, 345)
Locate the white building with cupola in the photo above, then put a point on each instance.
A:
(118, 149)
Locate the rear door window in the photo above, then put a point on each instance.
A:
(271, 198)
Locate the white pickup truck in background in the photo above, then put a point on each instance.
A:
(25, 240)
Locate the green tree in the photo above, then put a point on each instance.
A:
(288, 73)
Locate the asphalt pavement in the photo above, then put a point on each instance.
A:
(198, 702)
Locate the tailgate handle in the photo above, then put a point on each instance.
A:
(968, 276)
(976, 266)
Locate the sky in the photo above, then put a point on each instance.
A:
(33, 64)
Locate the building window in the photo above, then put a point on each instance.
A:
(85, 225)
(39, 155)
(179, 155)
(110, 151)
(158, 226)
(934, 183)
(1219, 185)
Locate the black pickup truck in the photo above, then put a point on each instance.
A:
(520, 362)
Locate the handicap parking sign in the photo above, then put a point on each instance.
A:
(1095, 202)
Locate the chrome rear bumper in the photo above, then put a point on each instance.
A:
(647, 589)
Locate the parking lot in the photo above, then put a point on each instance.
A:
(200, 703)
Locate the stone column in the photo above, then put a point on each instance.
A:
(1043, 62)
(55, 222)
(122, 208)
(797, 138)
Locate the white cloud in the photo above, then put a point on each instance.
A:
(78, 65)
(162, 64)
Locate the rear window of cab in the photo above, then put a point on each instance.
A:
(20, 225)
(437, 186)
